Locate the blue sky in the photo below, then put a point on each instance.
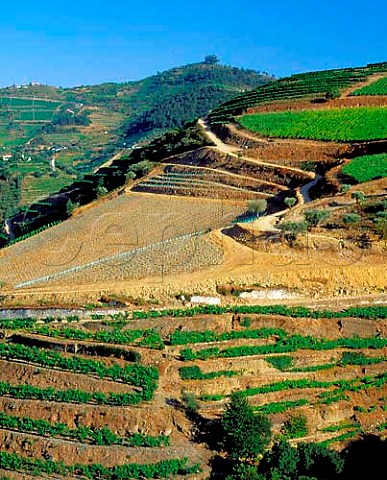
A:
(88, 42)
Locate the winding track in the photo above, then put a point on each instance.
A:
(233, 151)
(265, 223)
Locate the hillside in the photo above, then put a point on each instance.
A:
(50, 137)
(244, 252)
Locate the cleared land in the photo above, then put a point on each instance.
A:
(355, 124)
(129, 236)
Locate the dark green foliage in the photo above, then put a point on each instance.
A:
(179, 337)
(163, 469)
(170, 99)
(10, 192)
(190, 402)
(285, 462)
(315, 216)
(290, 201)
(373, 312)
(335, 392)
(358, 358)
(245, 322)
(143, 338)
(137, 375)
(243, 471)
(282, 460)
(68, 396)
(358, 196)
(320, 462)
(310, 84)
(284, 345)
(367, 167)
(194, 373)
(351, 218)
(244, 434)
(295, 427)
(282, 362)
(103, 436)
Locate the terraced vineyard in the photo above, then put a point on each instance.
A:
(212, 173)
(201, 182)
(376, 88)
(86, 396)
(345, 125)
(29, 110)
(87, 416)
(130, 236)
(368, 167)
(305, 85)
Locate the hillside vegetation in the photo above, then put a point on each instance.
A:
(51, 137)
(344, 125)
(315, 86)
(229, 280)
(92, 403)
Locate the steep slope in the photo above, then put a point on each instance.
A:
(241, 172)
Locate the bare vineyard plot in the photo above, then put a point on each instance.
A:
(270, 175)
(206, 183)
(138, 228)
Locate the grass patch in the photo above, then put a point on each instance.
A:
(195, 373)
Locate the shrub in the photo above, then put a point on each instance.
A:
(351, 218)
(290, 201)
(295, 427)
(282, 362)
(245, 322)
(189, 401)
(257, 206)
(315, 216)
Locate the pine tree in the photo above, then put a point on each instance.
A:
(245, 434)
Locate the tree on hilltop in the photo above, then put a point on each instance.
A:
(211, 60)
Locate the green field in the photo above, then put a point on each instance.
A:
(36, 188)
(343, 125)
(15, 137)
(28, 110)
(369, 167)
(14, 102)
(376, 88)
